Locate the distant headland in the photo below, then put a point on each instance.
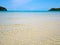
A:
(54, 9)
(3, 8)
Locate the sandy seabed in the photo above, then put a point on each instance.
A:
(33, 31)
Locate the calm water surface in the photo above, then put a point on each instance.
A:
(29, 28)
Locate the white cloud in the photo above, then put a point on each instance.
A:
(21, 1)
(17, 3)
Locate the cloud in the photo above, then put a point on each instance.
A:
(21, 1)
(17, 3)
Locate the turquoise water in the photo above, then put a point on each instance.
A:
(44, 15)
(30, 28)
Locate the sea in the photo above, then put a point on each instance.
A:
(30, 28)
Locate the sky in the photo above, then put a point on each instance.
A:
(30, 4)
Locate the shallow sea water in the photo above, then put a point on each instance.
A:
(29, 28)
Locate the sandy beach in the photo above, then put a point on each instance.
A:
(30, 30)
